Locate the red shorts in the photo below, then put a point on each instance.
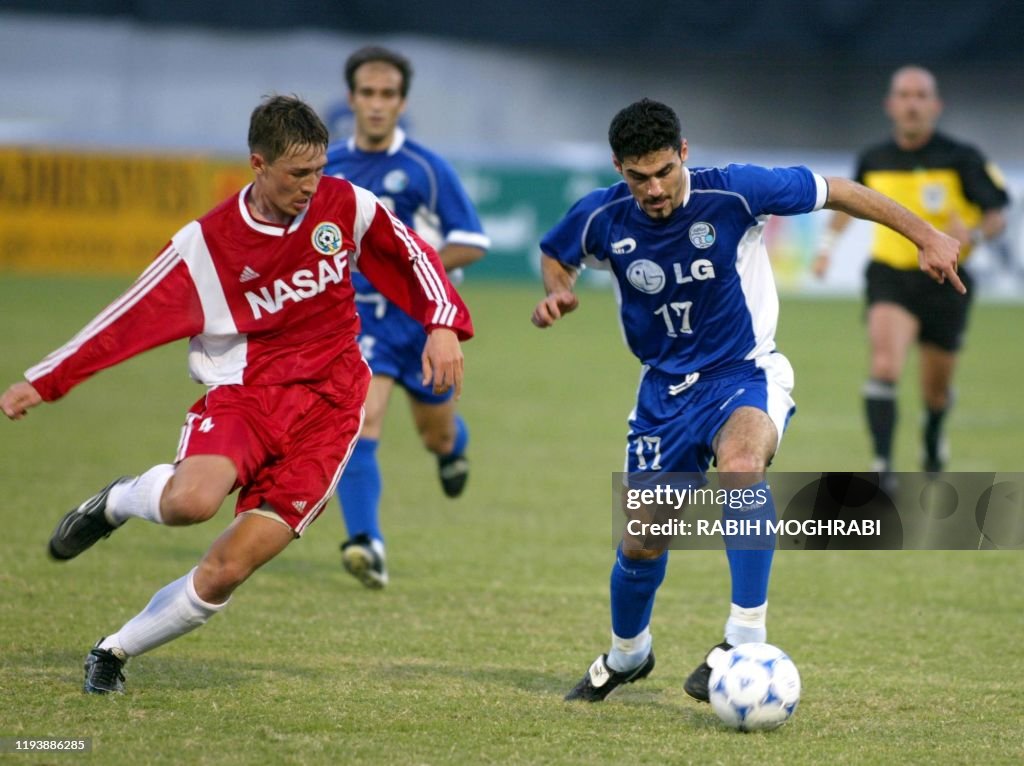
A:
(288, 443)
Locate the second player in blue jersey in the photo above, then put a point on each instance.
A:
(423, 191)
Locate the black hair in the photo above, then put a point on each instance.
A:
(643, 127)
(377, 53)
(283, 122)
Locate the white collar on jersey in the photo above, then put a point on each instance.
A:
(397, 142)
(267, 228)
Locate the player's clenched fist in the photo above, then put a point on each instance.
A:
(18, 399)
(554, 307)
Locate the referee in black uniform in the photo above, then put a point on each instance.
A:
(952, 186)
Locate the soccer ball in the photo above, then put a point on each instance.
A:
(755, 686)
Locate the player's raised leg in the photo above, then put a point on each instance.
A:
(187, 494)
(359, 492)
(743, 447)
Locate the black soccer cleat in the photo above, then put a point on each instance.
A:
(600, 680)
(453, 471)
(83, 526)
(104, 671)
(365, 561)
(697, 684)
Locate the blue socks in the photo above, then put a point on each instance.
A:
(461, 436)
(359, 491)
(634, 584)
(750, 564)
(750, 555)
(360, 487)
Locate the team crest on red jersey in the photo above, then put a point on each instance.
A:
(327, 238)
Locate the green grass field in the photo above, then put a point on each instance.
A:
(498, 601)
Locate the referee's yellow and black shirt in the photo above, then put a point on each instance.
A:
(941, 179)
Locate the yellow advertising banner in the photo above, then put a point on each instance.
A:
(83, 212)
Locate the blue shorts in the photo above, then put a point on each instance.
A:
(392, 343)
(673, 424)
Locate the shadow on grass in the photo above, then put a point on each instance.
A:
(64, 668)
(550, 687)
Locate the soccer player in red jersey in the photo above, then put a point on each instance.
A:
(261, 285)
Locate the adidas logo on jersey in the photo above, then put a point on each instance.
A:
(248, 275)
(299, 505)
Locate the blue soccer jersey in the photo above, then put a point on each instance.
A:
(695, 290)
(417, 185)
(424, 192)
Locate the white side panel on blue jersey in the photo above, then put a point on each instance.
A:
(632, 413)
(779, 374)
(758, 285)
(617, 292)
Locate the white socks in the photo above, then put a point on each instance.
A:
(746, 624)
(175, 610)
(139, 497)
(629, 653)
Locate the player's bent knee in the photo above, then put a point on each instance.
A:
(742, 464)
(641, 554)
(180, 508)
(438, 443)
(216, 579)
(885, 367)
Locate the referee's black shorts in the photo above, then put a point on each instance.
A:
(940, 309)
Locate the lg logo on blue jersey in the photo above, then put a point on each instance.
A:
(648, 277)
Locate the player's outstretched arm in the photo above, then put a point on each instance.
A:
(560, 300)
(17, 400)
(442, 361)
(937, 253)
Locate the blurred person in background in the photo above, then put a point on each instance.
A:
(952, 186)
(423, 192)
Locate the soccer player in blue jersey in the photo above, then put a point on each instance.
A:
(698, 307)
(422, 190)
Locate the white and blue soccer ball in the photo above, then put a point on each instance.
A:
(755, 686)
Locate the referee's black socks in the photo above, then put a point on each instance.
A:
(933, 458)
(880, 408)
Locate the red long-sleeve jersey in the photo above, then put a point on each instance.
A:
(266, 304)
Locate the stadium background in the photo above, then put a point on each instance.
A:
(121, 120)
